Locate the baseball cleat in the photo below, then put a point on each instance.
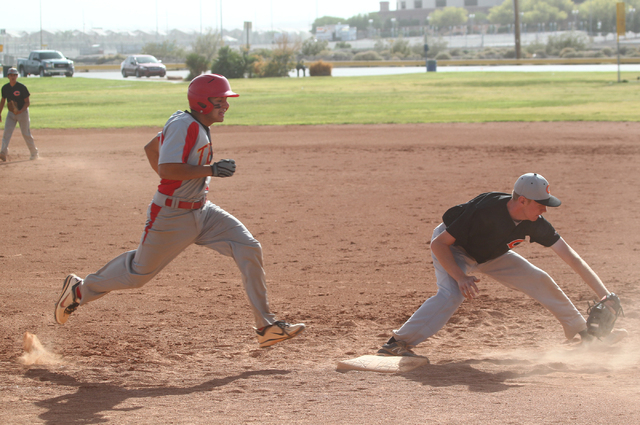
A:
(397, 348)
(68, 302)
(34, 156)
(3, 157)
(278, 331)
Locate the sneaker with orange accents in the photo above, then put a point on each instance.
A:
(278, 331)
(69, 300)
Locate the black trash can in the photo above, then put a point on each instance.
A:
(432, 65)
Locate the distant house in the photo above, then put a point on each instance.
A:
(420, 9)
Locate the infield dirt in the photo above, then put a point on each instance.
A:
(344, 215)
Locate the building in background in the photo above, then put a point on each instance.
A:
(412, 10)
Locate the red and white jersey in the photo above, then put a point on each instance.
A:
(184, 140)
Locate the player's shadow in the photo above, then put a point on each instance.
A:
(17, 161)
(91, 401)
(463, 373)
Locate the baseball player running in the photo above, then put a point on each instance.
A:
(479, 236)
(180, 215)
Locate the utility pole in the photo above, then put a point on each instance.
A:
(247, 29)
(517, 29)
(41, 24)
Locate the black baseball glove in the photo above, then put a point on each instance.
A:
(223, 168)
(602, 317)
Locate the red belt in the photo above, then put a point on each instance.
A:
(185, 205)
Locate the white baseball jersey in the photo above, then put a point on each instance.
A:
(185, 141)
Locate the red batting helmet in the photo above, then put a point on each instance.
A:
(205, 86)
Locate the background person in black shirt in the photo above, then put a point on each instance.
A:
(478, 236)
(18, 93)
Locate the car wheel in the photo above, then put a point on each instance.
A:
(22, 73)
(42, 74)
(69, 74)
(124, 74)
(163, 75)
(138, 73)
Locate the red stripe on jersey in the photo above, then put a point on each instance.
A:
(168, 187)
(190, 141)
(155, 209)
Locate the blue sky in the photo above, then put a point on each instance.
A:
(119, 15)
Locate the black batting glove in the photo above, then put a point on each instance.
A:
(223, 168)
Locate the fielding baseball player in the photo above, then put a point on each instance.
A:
(180, 215)
(18, 103)
(479, 236)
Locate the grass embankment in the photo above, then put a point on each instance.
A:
(409, 98)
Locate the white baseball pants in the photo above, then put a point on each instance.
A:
(25, 127)
(510, 269)
(168, 232)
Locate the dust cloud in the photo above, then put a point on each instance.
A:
(35, 353)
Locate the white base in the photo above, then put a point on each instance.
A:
(384, 364)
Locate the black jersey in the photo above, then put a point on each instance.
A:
(17, 93)
(484, 228)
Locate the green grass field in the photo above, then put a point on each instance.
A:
(408, 98)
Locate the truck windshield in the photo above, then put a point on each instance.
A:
(146, 59)
(51, 55)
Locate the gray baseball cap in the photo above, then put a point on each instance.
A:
(535, 187)
(12, 71)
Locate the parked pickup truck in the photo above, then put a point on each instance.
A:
(45, 63)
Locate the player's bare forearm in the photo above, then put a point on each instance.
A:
(441, 248)
(152, 150)
(179, 171)
(26, 105)
(569, 256)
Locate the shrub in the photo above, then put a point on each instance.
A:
(379, 46)
(342, 56)
(367, 56)
(443, 56)
(417, 50)
(197, 64)
(608, 51)
(567, 52)
(110, 58)
(633, 53)
(534, 48)
(400, 47)
(509, 53)
(320, 69)
(325, 54)
(455, 52)
(577, 41)
(281, 60)
(540, 54)
(436, 47)
(342, 45)
(489, 53)
(229, 63)
(311, 46)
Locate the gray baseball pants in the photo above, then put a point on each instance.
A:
(510, 269)
(168, 232)
(25, 127)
